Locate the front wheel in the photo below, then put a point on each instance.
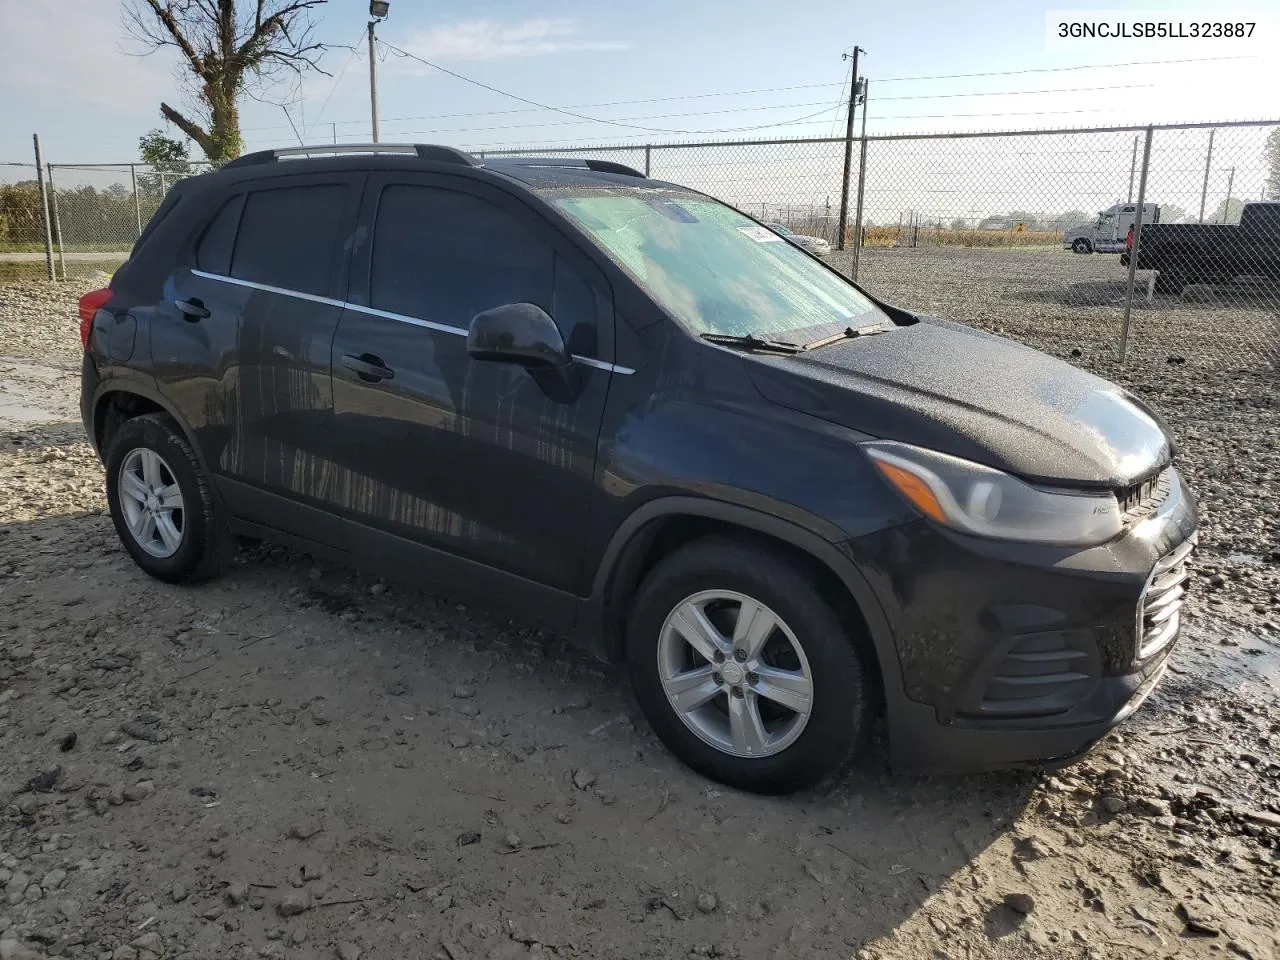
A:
(744, 670)
(1082, 246)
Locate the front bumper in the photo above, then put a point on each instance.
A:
(1021, 654)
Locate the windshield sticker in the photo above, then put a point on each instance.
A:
(760, 234)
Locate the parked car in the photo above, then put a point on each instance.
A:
(1187, 253)
(635, 414)
(1107, 233)
(815, 245)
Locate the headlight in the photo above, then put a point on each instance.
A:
(989, 503)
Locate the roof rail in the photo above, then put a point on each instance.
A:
(423, 151)
(599, 166)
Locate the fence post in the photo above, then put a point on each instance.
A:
(44, 208)
(137, 203)
(57, 224)
(1137, 242)
(648, 149)
(1208, 159)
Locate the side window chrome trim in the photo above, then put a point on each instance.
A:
(385, 314)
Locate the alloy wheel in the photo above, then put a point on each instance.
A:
(151, 502)
(735, 673)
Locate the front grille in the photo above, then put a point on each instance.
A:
(1140, 499)
(1160, 613)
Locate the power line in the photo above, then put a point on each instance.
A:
(578, 116)
(1083, 66)
(575, 106)
(351, 55)
(1018, 93)
(1023, 113)
(661, 116)
(843, 86)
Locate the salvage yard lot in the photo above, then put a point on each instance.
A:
(1060, 301)
(297, 761)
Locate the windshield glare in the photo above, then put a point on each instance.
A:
(715, 270)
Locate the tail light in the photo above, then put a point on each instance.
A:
(90, 304)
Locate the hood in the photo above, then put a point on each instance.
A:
(974, 395)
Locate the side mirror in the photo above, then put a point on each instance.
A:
(519, 333)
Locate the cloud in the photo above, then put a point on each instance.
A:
(490, 40)
(75, 52)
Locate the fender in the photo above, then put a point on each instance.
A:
(595, 613)
(147, 391)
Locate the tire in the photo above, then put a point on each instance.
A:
(155, 453)
(1082, 246)
(810, 642)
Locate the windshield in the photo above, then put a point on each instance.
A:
(715, 270)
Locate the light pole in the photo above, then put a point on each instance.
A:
(378, 10)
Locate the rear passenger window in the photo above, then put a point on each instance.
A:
(289, 237)
(445, 256)
(213, 252)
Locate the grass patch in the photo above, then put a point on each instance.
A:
(114, 246)
(11, 272)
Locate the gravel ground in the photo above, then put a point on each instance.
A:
(296, 761)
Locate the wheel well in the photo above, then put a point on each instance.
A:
(115, 408)
(661, 537)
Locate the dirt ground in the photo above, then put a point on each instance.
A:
(296, 761)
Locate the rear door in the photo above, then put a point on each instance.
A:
(446, 453)
(273, 283)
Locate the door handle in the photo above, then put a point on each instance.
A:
(192, 309)
(368, 367)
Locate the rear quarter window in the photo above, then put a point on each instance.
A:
(213, 251)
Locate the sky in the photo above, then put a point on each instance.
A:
(701, 69)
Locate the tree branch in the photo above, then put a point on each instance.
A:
(165, 15)
(281, 19)
(190, 128)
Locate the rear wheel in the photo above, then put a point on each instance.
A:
(1082, 246)
(744, 670)
(161, 504)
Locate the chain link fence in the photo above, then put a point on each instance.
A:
(1024, 233)
(95, 213)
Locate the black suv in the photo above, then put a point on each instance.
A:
(642, 417)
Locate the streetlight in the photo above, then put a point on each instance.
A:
(378, 10)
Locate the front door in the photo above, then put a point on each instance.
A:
(469, 458)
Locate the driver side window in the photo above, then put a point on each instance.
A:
(444, 256)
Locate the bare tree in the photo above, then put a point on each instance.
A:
(228, 48)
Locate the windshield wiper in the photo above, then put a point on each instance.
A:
(753, 341)
(849, 333)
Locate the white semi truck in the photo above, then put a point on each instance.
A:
(1107, 233)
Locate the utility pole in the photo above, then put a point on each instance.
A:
(862, 181)
(1226, 207)
(1208, 159)
(1133, 166)
(378, 10)
(848, 148)
(373, 78)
